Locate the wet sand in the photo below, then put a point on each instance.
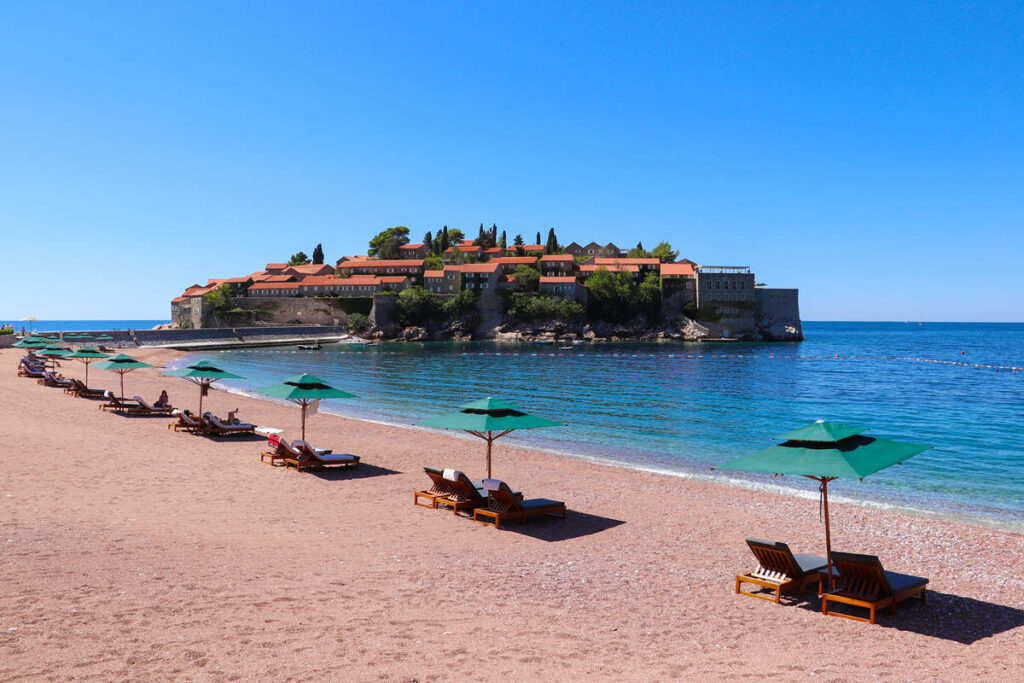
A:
(132, 552)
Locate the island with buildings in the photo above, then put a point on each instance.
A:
(448, 287)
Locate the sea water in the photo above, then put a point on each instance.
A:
(78, 325)
(683, 407)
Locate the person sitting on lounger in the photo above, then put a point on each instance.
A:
(163, 401)
(232, 418)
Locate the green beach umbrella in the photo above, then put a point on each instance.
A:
(53, 352)
(302, 390)
(825, 451)
(87, 355)
(121, 364)
(489, 419)
(202, 374)
(27, 343)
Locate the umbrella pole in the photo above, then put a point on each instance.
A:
(303, 404)
(200, 400)
(490, 440)
(122, 385)
(86, 374)
(828, 534)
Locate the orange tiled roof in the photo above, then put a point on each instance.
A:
(274, 285)
(393, 279)
(464, 248)
(276, 266)
(607, 261)
(488, 267)
(178, 299)
(557, 279)
(411, 246)
(677, 269)
(433, 273)
(514, 260)
(389, 263)
(557, 257)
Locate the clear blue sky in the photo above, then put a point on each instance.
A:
(871, 154)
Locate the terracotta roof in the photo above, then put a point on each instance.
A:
(321, 280)
(196, 290)
(390, 263)
(411, 246)
(276, 266)
(557, 257)
(677, 269)
(260, 276)
(433, 273)
(560, 279)
(466, 243)
(310, 269)
(514, 260)
(393, 279)
(283, 277)
(488, 267)
(494, 250)
(624, 268)
(274, 285)
(525, 247)
(627, 261)
(178, 299)
(463, 248)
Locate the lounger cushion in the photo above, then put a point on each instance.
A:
(338, 457)
(809, 563)
(901, 582)
(541, 503)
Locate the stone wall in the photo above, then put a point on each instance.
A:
(778, 314)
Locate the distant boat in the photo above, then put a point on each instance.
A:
(310, 347)
(566, 348)
(545, 342)
(579, 341)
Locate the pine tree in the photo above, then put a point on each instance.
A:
(318, 254)
(552, 244)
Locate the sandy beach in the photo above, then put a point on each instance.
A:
(132, 552)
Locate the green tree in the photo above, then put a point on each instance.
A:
(518, 243)
(318, 254)
(433, 262)
(664, 253)
(428, 240)
(527, 278)
(460, 304)
(385, 244)
(298, 259)
(638, 251)
(551, 246)
(455, 236)
(417, 306)
(538, 237)
(525, 307)
(221, 299)
(443, 242)
(358, 323)
(501, 240)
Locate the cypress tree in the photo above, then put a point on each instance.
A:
(428, 240)
(538, 237)
(501, 242)
(318, 254)
(444, 240)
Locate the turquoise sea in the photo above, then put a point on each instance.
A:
(77, 325)
(683, 407)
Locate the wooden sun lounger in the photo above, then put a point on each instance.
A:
(33, 372)
(51, 380)
(780, 570)
(82, 391)
(863, 582)
(187, 423)
(309, 457)
(439, 488)
(281, 450)
(504, 506)
(213, 425)
(465, 495)
(146, 408)
(118, 405)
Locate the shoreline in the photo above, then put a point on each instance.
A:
(838, 495)
(135, 552)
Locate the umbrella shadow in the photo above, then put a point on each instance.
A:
(364, 471)
(942, 615)
(235, 438)
(553, 529)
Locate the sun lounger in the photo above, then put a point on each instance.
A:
(310, 457)
(464, 495)
(439, 488)
(863, 582)
(213, 425)
(186, 422)
(118, 405)
(35, 372)
(51, 380)
(82, 391)
(504, 506)
(146, 408)
(281, 450)
(779, 569)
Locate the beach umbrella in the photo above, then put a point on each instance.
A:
(52, 352)
(121, 364)
(489, 419)
(30, 343)
(202, 374)
(87, 355)
(825, 451)
(303, 390)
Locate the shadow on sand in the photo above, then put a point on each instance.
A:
(364, 471)
(940, 615)
(551, 529)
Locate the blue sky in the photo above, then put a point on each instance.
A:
(871, 154)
